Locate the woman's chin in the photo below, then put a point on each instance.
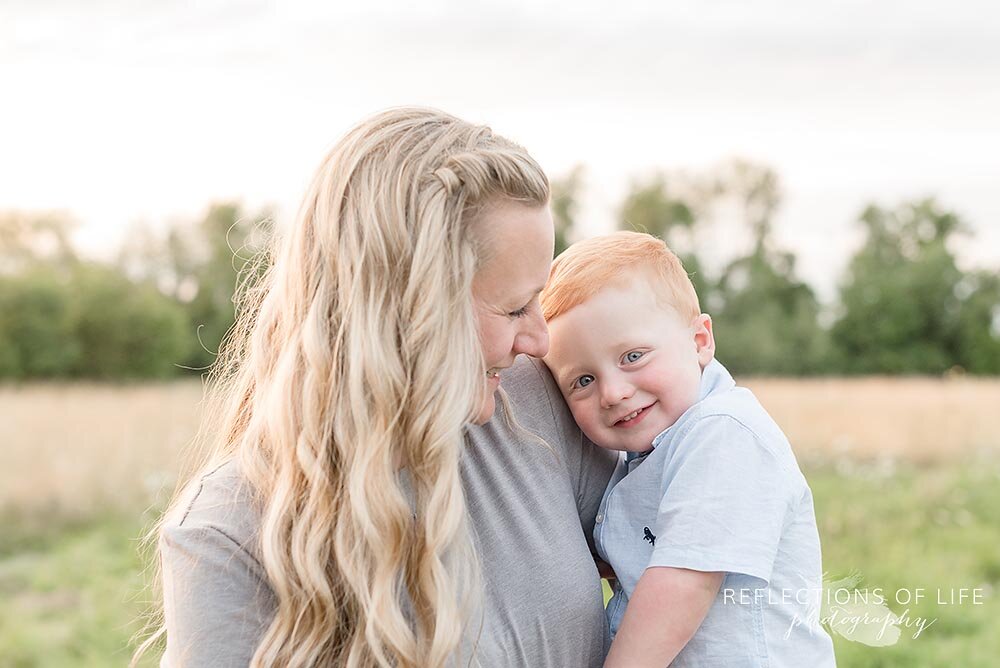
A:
(486, 409)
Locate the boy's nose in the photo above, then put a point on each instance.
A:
(613, 394)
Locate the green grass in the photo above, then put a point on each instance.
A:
(72, 591)
(931, 528)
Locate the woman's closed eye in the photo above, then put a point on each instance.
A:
(521, 312)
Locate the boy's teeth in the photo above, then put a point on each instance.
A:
(630, 416)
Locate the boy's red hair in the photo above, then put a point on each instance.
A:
(586, 267)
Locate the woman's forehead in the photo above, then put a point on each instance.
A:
(518, 247)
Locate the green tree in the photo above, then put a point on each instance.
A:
(565, 196)
(767, 320)
(659, 208)
(36, 325)
(36, 259)
(902, 309)
(200, 265)
(978, 326)
(30, 239)
(125, 329)
(756, 190)
(650, 206)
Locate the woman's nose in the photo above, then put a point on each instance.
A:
(534, 338)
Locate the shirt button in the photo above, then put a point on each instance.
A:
(599, 518)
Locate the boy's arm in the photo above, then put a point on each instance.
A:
(663, 613)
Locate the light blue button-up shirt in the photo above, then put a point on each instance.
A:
(721, 491)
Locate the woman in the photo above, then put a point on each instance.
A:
(364, 506)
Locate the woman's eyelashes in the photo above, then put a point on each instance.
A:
(519, 313)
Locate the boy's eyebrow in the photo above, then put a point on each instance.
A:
(565, 375)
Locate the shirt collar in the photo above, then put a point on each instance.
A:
(714, 379)
(632, 456)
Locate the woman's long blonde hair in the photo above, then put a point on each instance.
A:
(357, 358)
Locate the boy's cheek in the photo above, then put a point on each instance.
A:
(574, 408)
(586, 420)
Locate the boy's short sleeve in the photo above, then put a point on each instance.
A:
(726, 500)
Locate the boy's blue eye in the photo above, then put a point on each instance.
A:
(584, 380)
(633, 356)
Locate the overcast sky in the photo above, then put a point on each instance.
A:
(120, 111)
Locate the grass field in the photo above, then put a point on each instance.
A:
(905, 473)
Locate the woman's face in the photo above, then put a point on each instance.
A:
(506, 287)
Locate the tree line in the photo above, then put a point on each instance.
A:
(903, 304)
(161, 308)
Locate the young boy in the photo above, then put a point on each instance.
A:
(707, 521)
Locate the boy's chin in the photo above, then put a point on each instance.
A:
(618, 445)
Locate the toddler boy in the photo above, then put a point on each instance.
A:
(707, 520)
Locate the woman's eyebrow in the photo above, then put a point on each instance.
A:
(532, 295)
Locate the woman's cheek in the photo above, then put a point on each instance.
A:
(497, 340)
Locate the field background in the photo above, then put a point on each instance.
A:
(905, 474)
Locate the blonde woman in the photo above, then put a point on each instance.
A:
(374, 498)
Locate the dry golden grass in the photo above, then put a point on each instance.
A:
(915, 419)
(73, 448)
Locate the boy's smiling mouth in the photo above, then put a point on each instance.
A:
(633, 418)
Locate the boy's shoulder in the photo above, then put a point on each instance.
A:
(737, 419)
(739, 405)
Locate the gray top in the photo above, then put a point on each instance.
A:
(531, 510)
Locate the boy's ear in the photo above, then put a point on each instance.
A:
(704, 339)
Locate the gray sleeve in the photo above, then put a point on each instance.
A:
(595, 469)
(589, 466)
(217, 602)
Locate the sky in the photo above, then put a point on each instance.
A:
(123, 112)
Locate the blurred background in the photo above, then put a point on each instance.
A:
(828, 173)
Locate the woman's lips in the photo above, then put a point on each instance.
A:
(623, 424)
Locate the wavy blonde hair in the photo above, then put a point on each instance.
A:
(357, 358)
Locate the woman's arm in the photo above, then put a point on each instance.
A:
(663, 613)
(216, 604)
(588, 466)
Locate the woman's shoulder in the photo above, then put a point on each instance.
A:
(218, 504)
(535, 400)
(217, 600)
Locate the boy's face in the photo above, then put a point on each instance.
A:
(627, 365)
